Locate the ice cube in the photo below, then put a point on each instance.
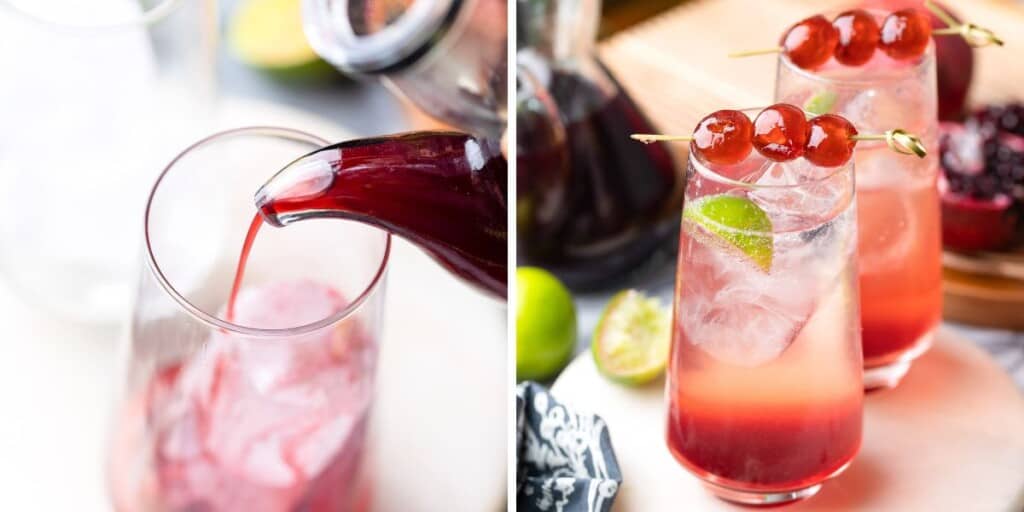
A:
(741, 315)
(900, 104)
(797, 195)
(249, 423)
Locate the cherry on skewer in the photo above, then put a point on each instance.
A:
(853, 37)
(811, 42)
(781, 133)
(858, 36)
(905, 34)
(724, 137)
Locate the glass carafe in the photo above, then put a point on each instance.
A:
(594, 204)
(447, 56)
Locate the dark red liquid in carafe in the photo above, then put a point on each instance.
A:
(443, 191)
(600, 205)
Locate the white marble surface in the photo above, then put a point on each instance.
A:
(950, 437)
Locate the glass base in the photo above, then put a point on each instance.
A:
(890, 374)
(761, 498)
(766, 498)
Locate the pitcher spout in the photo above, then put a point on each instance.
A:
(443, 191)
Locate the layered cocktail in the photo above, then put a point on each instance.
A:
(764, 385)
(898, 222)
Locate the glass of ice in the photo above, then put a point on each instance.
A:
(96, 96)
(270, 411)
(764, 385)
(899, 224)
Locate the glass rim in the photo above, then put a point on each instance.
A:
(146, 17)
(213, 321)
(923, 61)
(707, 172)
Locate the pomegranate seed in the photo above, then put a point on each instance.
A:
(829, 141)
(723, 137)
(780, 132)
(858, 37)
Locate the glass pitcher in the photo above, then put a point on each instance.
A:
(447, 56)
(594, 204)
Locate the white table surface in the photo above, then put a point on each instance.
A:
(950, 437)
(442, 388)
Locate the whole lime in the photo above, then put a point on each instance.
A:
(545, 324)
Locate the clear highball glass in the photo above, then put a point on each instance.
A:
(96, 96)
(270, 411)
(899, 224)
(764, 381)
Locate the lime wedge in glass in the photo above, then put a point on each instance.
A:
(737, 221)
(631, 342)
(267, 35)
(821, 103)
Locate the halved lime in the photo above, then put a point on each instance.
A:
(631, 342)
(738, 221)
(821, 103)
(267, 35)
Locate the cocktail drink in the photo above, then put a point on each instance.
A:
(256, 398)
(898, 222)
(764, 384)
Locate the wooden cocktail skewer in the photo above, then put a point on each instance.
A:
(897, 139)
(974, 35)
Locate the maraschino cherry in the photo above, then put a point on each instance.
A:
(810, 42)
(782, 133)
(905, 34)
(853, 36)
(724, 137)
(858, 37)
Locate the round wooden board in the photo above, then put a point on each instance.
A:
(950, 437)
(985, 289)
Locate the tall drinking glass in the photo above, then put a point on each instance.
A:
(899, 224)
(96, 95)
(268, 412)
(764, 379)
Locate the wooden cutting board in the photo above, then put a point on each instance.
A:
(950, 437)
(675, 66)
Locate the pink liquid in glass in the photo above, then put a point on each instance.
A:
(251, 424)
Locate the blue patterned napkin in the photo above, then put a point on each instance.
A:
(565, 460)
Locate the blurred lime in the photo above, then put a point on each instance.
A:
(821, 103)
(631, 342)
(267, 35)
(738, 221)
(545, 324)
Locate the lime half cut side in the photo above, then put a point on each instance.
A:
(737, 221)
(631, 342)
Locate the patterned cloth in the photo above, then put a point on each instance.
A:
(565, 460)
